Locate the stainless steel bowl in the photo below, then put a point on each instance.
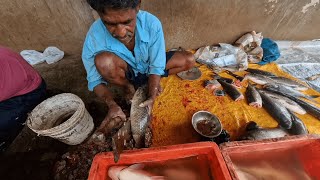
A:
(205, 115)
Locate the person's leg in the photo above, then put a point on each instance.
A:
(14, 112)
(113, 70)
(180, 61)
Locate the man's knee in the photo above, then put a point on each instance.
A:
(189, 60)
(107, 65)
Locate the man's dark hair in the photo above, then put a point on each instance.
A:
(101, 5)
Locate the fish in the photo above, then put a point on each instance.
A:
(254, 132)
(133, 172)
(234, 75)
(260, 72)
(290, 83)
(139, 117)
(219, 92)
(277, 88)
(228, 80)
(212, 84)
(108, 128)
(310, 108)
(231, 90)
(298, 127)
(122, 140)
(253, 96)
(259, 79)
(277, 111)
(286, 102)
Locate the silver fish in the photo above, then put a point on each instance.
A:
(139, 117)
(253, 96)
(259, 79)
(310, 108)
(254, 132)
(290, 83)
(261, 72)
(277, 111)
(231, 90)
(286, 102)
(277, 88)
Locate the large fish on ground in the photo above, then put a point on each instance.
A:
(277, 88)
(310, 108)
(231, 90)
(277, 111)
(254, 132)
(261, 72)
(253, 96)
(290, 83)
(139, 117)
(286, 102)
(228, 80)
(259, 79)
(234, 75)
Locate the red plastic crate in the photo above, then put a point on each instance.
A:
(291, 150)
(219, 171)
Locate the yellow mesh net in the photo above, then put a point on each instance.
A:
(180, 99)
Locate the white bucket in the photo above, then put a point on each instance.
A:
(46, 119)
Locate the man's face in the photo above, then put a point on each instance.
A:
(121, 23)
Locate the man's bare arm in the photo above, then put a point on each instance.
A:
(153, 86)
(104, 94)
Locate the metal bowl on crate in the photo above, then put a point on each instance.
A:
(206, 124)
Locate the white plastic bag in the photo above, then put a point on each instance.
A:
(50, 55)
(224, 57)
(32, 57)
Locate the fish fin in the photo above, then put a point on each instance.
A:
(136, 166)
(251, 126)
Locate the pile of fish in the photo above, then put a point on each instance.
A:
(280, 96)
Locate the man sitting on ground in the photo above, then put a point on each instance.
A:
(126, 47)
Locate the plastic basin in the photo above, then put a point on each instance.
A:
(292, 157)
(207, 152)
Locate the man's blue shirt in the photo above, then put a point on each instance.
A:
(149, 50)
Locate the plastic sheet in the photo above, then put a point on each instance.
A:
(301, 59)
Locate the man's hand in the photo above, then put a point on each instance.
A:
(115, 111)
(114, 120)
(154, 90)
(148, 104)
